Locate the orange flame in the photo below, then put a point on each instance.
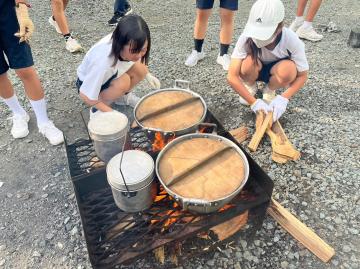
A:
(159, 142)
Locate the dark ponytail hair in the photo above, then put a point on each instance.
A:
(253, 50)
(132, 30)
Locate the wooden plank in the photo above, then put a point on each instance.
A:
(240, 134)
(301, 232)
(260, 131)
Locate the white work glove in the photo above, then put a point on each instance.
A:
(278, 105)
(260, 105)
(153, 81)
(25, 23)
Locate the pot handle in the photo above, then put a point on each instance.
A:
(194, 202)
(207, 124)
(182, 84)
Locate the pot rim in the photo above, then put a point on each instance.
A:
(164, 90)
(212, 136)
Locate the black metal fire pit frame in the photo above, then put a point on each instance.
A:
(115, 237)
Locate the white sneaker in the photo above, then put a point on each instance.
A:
(53, 134)
(268, 95)
(54, 24)
(252, 89)
(295, 25)
(224, 61)
(309, 34)
(131, 99)
(72, 45)
(20, 127)
(194, 57)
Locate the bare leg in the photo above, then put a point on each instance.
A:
(58, 10)
(301, 8)
(313, 9)
(124, 83)
(201, 23)
(31, 82)
(282, 74)
(227, 25)
(6, 89)
(249, 71)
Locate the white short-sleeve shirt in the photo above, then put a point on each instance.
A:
(98, 67)
(289, 46)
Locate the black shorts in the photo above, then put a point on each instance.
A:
(106, 85)
(208, 4)
(18, 54)
(264, 74)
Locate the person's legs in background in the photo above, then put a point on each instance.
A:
(121, 8)
(59, 22)
(304, 28)
(203, 12)
(226, 34)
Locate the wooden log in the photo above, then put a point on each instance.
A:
(230, 227)
(240, 134)
(301, 232)
(260, 131)
(354, 38)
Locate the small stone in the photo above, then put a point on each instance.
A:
(2, 247)
(346, 248)
(297, 173)
(304, 203)
(322, 215)
(9, 195)
(237, 265)
(28, 140)
(211, 262)
(60, 245)
(1, 184)
(66, 220)
(338, 220)
(22, 232)
(44, 195)
(57, 174)
(284, 264)
(243, 244)
(74, 231)
(49, 236)
(36, 254)
(354, 231)
(2, 262)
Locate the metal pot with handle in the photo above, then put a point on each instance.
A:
(203, 172)
(175, 110)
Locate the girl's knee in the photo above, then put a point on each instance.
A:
(250, 68)
(26, 73)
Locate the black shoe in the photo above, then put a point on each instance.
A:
(115, 19)
(128, 9)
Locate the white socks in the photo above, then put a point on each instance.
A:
(299, 19)
(39, 108)
(14, 105)
(307, 25)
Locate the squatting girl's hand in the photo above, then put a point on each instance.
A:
(260, 105)
(278, 105)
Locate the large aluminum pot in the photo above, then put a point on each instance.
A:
(200, 164)
(162, 108)
(137, 190)
(109, 131)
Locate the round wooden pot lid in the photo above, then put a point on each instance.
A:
(170, 110)
(207, 178)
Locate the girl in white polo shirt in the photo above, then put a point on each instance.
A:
(267, 51)
(114, 65)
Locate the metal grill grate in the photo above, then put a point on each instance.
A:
(115, 237)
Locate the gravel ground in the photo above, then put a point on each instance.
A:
(39, 222)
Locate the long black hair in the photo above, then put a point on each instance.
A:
(132, 30)
(254, 51)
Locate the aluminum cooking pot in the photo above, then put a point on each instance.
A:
(202, 171)
(174, 111)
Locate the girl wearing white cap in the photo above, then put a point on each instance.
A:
(266, 51)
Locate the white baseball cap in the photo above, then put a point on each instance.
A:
(264, 17)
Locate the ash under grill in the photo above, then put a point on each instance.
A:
(115, 237)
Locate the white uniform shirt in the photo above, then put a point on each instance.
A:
(289, 42)
(97, 68)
